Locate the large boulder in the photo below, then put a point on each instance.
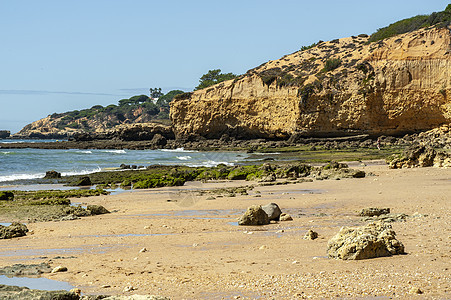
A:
(254, 215)
(14, 230)
(373, 240)
(273, 211)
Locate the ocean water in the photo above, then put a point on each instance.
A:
(23, 164)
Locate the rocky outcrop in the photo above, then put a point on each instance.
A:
(373, 240)
(13, 230)
(341, 87)
(47, 128)
(4, 134)
(420, 156)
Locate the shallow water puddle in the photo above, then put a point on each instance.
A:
(61, 251)
(36, 283)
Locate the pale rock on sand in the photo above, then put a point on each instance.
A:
(373, 240)
(254, 215)
(311, 235)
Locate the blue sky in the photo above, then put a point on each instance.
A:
(58, 55)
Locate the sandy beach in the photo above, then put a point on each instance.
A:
(174, 242)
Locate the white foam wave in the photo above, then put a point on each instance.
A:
(269, 153)
(211, 163)
(85, 151)
(187, 157)
(6, 152)
(181, 149)
(115, 151)
(82, 172)
(14, 177)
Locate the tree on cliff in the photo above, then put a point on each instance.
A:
(164, 100)
(213, 77)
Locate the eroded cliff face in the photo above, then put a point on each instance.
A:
(340, 87)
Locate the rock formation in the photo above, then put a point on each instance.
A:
(254, 215)
(373, 240)
(4, 134)
(341, 87)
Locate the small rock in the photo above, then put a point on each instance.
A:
(374, 212)
(263, 247)
(143, 250)
(83, 181)
(97, 209)
(285, 217)
(311, 235)
(129, 288)
(415, 290)
(59, 269)
(52, 175)
(76, 291)
(105, 286)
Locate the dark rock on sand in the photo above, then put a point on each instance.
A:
(273, 211)
(14, 230)
(373, 240)
(52, 175)
(311, 235)
(374, 211)
(254, 215)
(97, 209)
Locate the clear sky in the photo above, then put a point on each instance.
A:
(59, 55)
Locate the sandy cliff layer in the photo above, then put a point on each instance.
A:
(401, 84)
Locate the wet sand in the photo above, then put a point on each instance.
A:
(195, 250)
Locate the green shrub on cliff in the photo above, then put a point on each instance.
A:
(442, 19)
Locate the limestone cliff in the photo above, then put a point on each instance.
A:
(345, 86)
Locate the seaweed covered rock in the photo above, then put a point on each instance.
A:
(373, 240)
(14, 230)
(273, 211)
(26, 270)
(6, 195)
(24, 293)
(83, 181)
(254, 215)
(420, 156)
(97, 209)
(374, 212)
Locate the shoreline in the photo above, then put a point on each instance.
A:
(194, 252)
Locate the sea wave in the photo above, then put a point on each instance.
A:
(85, 151)
(210, 163)
(181, 149)
(5, 152)
(82, 172)
(15, 177)
(115, 151)
(187, 157)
